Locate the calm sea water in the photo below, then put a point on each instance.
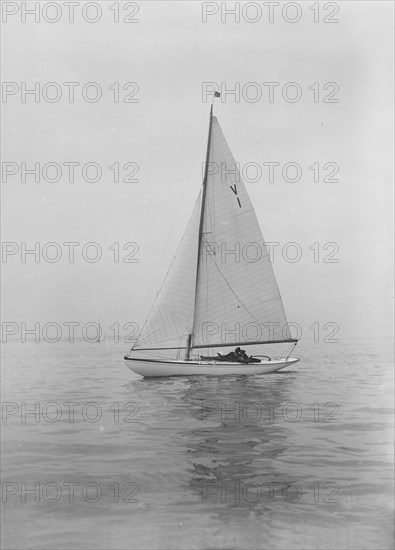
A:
(298, 459)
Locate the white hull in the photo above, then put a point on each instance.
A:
(150, 368)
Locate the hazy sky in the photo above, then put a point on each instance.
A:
(169, 53)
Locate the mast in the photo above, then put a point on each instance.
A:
(204, 184)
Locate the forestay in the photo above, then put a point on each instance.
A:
(171, 318)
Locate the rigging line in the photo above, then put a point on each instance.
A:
(168, 271)
(182, 196)
(291, 350)
(233, 292)
(186, 185)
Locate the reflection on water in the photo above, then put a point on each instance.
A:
(234, 452)
(295, 459)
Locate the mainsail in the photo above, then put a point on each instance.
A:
(237, 298)
(221, 289)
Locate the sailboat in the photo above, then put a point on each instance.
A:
(100, 335)
(220, 291)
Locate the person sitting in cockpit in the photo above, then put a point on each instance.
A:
(232, 356)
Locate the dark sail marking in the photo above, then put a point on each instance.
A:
(235, 192)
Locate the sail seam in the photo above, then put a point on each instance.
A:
(233, 292)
